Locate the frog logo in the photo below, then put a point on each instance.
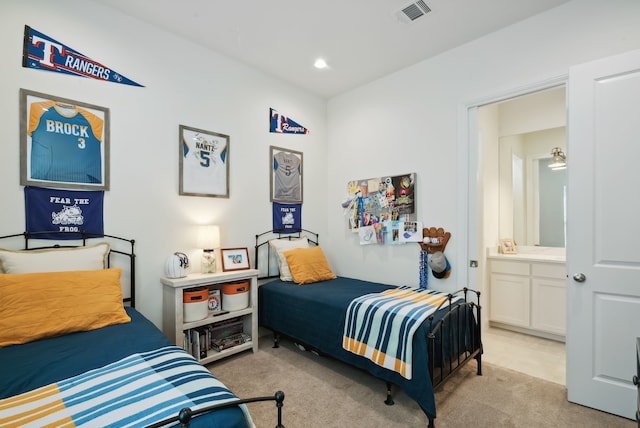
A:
(288, 219)
(68, 215)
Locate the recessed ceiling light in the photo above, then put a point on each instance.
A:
(320, 64)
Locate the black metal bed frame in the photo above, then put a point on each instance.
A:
(468, 347)
(71, 241)
(280, 234)
(83, 236)
(185, 415)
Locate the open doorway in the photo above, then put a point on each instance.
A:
(517, 135)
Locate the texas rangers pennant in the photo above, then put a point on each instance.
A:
(64, 211)
(44, 53)
(283, 125)
(287, 218)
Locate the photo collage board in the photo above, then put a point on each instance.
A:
(382, 210)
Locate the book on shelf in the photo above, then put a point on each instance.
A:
(186, 340)
(198, 341)
(195, 343)
(230, 341)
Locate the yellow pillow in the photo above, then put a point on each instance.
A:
(282, 245)
(308, 265)
(39, 305)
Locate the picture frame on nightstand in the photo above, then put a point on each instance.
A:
(234, 259)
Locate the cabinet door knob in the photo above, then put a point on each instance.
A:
(579, 277)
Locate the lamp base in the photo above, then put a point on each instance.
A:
(208, 261)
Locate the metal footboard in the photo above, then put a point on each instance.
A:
(455, 338)
(185, 415)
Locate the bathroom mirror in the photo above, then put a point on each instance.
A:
(532, 195)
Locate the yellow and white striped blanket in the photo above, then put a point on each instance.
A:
(138, 390)
(380, 326)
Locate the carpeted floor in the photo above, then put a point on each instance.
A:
(323, 393)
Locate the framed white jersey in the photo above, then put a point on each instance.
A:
(204, 163)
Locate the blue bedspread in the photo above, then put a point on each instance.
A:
(314, 314)
(33, 365)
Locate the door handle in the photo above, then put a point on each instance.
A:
(579, 277)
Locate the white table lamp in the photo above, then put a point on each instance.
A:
(209, 240)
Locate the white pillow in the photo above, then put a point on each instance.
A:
(91, 257)
(282, 245)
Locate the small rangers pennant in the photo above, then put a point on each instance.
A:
(283, 125)
(44, 53)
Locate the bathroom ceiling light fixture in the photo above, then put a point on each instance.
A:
(558, 160)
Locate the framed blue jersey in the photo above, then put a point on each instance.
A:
(64, 143)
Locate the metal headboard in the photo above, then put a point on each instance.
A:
(66, 239)
(262, 242)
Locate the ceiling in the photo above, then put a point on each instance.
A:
(361, 40)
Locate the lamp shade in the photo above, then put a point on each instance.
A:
(209, 237)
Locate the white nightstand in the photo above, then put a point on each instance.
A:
(173, 317)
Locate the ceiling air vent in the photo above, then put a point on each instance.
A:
(414, 11)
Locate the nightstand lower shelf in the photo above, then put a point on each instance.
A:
(213, 355)
(191, 334)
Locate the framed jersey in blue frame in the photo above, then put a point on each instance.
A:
(63, 143)
(204, 163)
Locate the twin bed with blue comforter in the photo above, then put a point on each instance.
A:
(72, 354)
(365, 324)
(121, 375)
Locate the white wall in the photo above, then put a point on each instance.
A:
(410, 121)
(184, 84)
(533, 112)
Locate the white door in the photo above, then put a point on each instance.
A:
(603, 239)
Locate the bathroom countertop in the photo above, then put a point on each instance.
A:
(531, 253)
